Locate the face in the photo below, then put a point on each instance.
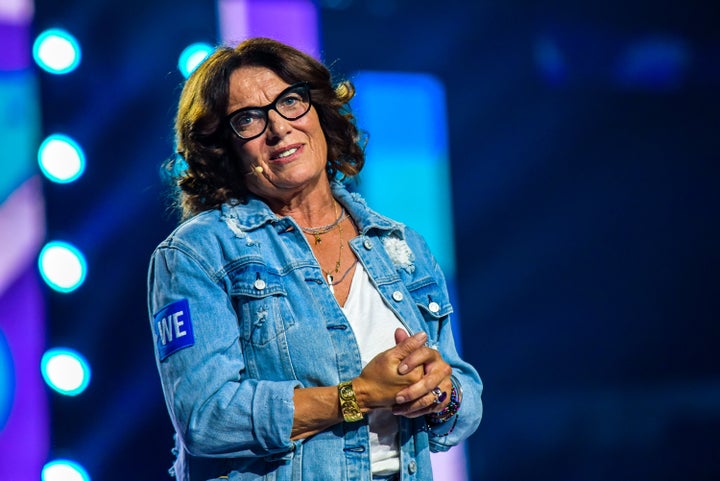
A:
(291, 153)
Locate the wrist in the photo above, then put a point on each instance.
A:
(362, 394)
(452, 407)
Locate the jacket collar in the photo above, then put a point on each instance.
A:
(253, 213)
(365, 218)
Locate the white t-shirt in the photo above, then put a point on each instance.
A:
(374, 325)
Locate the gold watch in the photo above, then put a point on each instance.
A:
(348, 403)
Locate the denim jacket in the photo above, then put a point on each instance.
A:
(241, 316)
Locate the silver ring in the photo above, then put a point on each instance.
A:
(439, 395)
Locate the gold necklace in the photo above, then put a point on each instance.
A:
(328, 274)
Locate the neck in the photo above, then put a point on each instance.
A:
(309, 208)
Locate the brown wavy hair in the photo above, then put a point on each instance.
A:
(204, 169)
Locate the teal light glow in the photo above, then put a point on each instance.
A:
(57, 51)
(61, 159)
(64, 470)
(407, 172)
(62, 266)
(192, 56)
(66, 371)
(407, 177)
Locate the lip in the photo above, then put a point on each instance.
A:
(284, 160)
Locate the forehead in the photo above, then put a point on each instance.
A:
(254, 87)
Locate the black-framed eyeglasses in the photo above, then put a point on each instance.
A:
(291, 104)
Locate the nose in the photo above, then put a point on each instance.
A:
(278, 126)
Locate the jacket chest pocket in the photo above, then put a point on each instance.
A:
(433, 304)
(263, 308)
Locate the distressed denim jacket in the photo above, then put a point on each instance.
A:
(241, 316)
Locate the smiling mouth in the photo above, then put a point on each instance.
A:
(285, 153)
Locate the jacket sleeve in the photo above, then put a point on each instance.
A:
(215, 408)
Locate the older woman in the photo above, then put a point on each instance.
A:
(299, 335)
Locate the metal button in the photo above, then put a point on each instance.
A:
(259, 284)
(412, 467)
(434, 307)
(397, 295)
(367, 244)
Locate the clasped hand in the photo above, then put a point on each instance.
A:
(403, 378)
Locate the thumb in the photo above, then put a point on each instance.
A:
(408, 344)
(400, 335)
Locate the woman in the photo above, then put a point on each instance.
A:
(299, 335)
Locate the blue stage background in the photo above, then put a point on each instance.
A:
(585, 185)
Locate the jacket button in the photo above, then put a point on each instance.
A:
(367, 244)
(397, 295)
(259, 284)
(434, 307)
(412, 467)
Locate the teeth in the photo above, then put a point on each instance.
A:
(287, 152)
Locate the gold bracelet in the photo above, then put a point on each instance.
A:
(348, 403)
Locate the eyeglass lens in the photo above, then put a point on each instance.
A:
(291, 104)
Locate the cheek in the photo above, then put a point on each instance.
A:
(319, 140)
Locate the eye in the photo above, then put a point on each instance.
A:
(290, 100)
(247, 118)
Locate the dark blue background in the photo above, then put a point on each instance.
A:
(586, 214)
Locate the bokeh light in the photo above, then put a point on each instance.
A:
(62, 266)
(57, 51)
(66, 371)
(64, 470)
(61, 159)
(192, 56)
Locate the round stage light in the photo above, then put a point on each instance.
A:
(62, 266)
(57, 51)
(192, 56)
(65, 370)
(61, 159)
(64, 470)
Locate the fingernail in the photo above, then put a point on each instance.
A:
(400, 399)
(403, 368)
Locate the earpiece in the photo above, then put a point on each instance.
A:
(257, 170)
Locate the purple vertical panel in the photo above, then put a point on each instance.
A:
(24, 440)
(294, 22)
(15, 41)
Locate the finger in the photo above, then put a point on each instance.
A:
(427, 404)
(421, 356)
(435, 376)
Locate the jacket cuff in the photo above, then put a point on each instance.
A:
(272, 413)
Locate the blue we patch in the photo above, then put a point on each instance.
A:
(173, 328)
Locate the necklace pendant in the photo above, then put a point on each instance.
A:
(330, 283)
(318, 240)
